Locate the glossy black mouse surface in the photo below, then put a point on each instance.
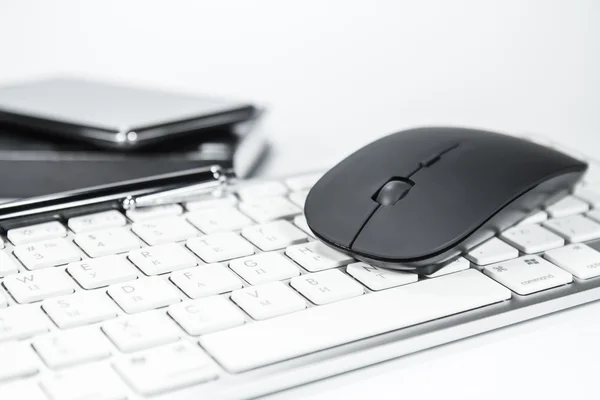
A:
(415, 200)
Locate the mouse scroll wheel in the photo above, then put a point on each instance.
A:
(392, 191)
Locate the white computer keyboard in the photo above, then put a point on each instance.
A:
(233, 297)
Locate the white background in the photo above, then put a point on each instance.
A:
(338, 74)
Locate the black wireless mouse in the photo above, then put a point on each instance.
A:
(416, 200)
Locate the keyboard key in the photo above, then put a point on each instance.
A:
(218, 220)
(220, 247)
(161, 259)
(206, 315)
(535, 218)
(251, 345)
(274, 235)
(145, 213)
(71, 348)
(589, 195)
(378, 278)
(300, 222)
(568, 206)
(18, 360)
(36, 233)
(35, 286)
(141, 331)
(316, 256)
(79, 309)
(107, 242)
(460, 264)
(299, 198)
(164, 230)
(206, 280)
(22, 390)
(303, 182)
(528, 274)
(2, 244)
(268, 300)
(103, 271)
(101, 220)
(210, 201)
(579, 259)
(143, 294)
(262, 189)
(3, 300)
(22, 322)
(575, 228)
(166, 368)
(532, 238)
(269, 209)
(8, 265)
(48, 253)
(327, 286)
(492, 251)
(94, 381)
(264, 267)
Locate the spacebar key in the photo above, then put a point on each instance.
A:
(255, 345)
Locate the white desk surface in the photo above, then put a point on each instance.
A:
(338, 74)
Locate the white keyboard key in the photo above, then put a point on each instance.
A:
(161, 259)
(103, 271)
(214, 220)
(220, 247)
(568, 206)
(492, 251)
(316, 256)
(300, 222)
(36, 233)
(594, 214)
(264, 267)
(22, 390)
(72, 347)
(262, 189)
(579, 259)
(35, 286)
(327, 286)
(8, 265)
(268, 300)
(22, 322)
(164, 230)
(274, 235)
(206, 315)
(532, 238)
(107, 242)
(528, 274)
(79, 309)
(206, 280)
(166, 368)
(535, 218)
(460, 264)
(378, 278)
(1, 243)
(299, 198)
(210, 201)
(101, 220)
(575, 228)
(269, 209)
(303, 182)
(18, 360)
(48, 253)
(589, 195)
(3, 300)
(143, 294)
(145, 213)
(141, 331)
(94, 381)
(251, 345)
